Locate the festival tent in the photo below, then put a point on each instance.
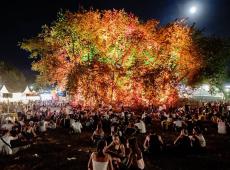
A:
(4, 93)
(5, 96)
(205, 94)
(30, 95)
(25, 96)
(4, 90)
(27, 91)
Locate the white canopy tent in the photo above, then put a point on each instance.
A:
(4, 89)
(5, 95)
(24, 96)
(204, 93)
(27, 90)
(30, 95)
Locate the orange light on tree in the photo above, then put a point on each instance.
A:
(110, 56)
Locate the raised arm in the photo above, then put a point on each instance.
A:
(33, 131)
(177, 139)
(161, 140)
(92, 136)
(146, 142)
(108, 147)
(90, 165)
(110, 166)
(122, 154)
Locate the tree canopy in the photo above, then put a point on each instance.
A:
(14, 79)
(216, 59)
(111, 56)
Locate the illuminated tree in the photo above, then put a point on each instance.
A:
(110, 56)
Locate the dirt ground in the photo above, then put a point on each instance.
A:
(57, 149)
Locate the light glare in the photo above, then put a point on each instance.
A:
(193, 9)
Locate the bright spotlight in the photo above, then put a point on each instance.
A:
(227, 90)
(31, 87)
(227, 86)
(206, 87)
(193, 10)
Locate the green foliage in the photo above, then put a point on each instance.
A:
(216, 59)
(14, 80)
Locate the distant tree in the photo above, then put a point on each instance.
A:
(215, 52)
(13, 78)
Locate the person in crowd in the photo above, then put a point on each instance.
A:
(221, 125)
(22, 121)
(89, 122)
(8, 126)
(98, 134)
(141, 126)
(42, 125)
(182, 143)
(143, 116)
(167, 121)
(198, 140)
(113, 129)
(29, 131)
(178, 124)
(153, 143)
(17, 128)
(76, 126)
(100, 160)
(135, 157)
(130, 130)
(5, 143)
(52, 124)
(117, 150)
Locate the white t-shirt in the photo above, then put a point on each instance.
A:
(21, 123)
(201, 140)
(5, 147)
(141, 126)
(178, 123)
(77, 126)
(143, 115)
(228, 108)
(72, 121)
(42, 126)
(7, 139)
(222, 127)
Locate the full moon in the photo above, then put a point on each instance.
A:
(193, 10)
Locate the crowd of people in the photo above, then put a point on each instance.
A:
(118, 134)
(21, 130)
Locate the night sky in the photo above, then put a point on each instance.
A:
(22, 19)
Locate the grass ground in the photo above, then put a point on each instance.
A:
(55, 148)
